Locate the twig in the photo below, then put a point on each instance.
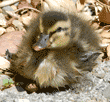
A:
(28, 8)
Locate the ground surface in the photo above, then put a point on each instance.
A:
(98, 91)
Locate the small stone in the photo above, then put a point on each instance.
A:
(10, 29)
(106, 92)
(29, 1)
(18, 24)
(2, 30)
(4, 64)
(24, 100)
(10, 41)
(2, 20)
(7, 8)
(100, 75)
(107, 77)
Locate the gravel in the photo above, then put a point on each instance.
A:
(96, 88)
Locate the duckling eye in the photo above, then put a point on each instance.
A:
(59, 29)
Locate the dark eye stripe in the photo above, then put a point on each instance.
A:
(58, 30)
(51, 33)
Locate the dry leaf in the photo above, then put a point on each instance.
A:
(104, 1)
(59, 5)
(106, 27)
(95, 25)
(99, 31)
(25, 19)
(105, 37)
(105, 34)
(104, 16)
(34, 3)
(9, 22)
(79, 6)
(106, 41)
(82, 2)
(23, 3)
(90, 1)
(14, 7)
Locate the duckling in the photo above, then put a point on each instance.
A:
(56, 49)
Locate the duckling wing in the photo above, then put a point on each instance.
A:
(88, 61)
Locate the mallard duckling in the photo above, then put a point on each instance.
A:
(56, 49)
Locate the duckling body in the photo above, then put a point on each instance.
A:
(55, 49)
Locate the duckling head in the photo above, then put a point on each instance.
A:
(55, 28)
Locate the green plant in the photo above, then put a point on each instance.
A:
(7, 82)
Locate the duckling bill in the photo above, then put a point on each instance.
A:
(56, 49)
(42, 42)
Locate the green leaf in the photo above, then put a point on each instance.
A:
(6, 85)
(11, 82)
(5, 81)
